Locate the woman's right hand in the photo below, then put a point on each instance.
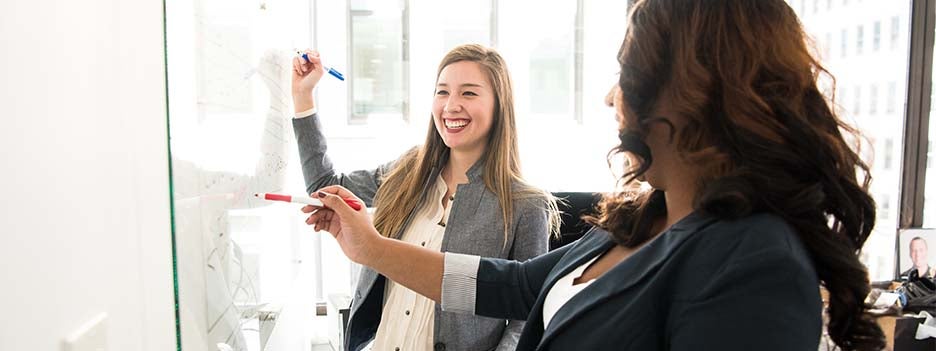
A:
(305, 75)
(353, 230)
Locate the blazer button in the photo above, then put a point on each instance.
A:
(439, 346)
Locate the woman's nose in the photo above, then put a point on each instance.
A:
(452, 104)
(609, 98)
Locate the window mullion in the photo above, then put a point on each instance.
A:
(578, 70)
(916, 127)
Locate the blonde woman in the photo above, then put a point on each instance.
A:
(461, 191)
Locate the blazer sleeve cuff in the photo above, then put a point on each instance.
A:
(460, 282)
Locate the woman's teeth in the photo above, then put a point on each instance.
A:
(455, 124)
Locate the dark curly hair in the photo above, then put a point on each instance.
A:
(759, 130)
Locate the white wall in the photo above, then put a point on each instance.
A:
(83, 95)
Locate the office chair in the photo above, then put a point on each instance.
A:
(573, 205)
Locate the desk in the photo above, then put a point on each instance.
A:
(887, 324)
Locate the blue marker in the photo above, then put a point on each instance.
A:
(330, 70)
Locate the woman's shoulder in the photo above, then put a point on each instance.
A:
(752, 235)
(533, 203)
(767, 226)
(527, 195)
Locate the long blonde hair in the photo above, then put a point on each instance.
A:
(401, 192)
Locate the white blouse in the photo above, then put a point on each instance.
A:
(563, 291)
(408, 318)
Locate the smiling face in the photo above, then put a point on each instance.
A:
(463, 108)
(918, 253)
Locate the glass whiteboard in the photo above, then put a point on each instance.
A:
(228, 66)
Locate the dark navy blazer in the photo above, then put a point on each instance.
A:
(704, 284)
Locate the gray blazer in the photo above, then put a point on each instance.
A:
(704, 284)
(475, 227)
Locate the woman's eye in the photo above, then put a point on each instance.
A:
(442, 92)
(470, 93)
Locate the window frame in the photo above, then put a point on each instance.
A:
(578, 58)
(916, 126)
(362, 119)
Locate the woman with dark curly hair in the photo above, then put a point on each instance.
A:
(754, 204)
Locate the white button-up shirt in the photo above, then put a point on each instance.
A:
(408, 318)
(564, 290)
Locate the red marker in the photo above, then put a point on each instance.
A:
(305, 200)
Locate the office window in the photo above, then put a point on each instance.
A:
(844, 42)
(828, 4)
(891, 96)
(378, 65)
(841, 98)
(815, 6)
(876, 41)
(542, 52)
(895, 32)
(434, 33)
(858, 79)
(571, 51)
(856, 109)
(859, 43)
(888, 154)
(885, 206)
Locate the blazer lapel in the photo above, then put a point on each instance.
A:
(625, 275)
(596, 242)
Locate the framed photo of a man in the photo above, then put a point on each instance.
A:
(917, 251)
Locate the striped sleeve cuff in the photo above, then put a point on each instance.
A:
(460, 282)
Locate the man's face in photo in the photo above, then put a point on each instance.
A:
(918, 253)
